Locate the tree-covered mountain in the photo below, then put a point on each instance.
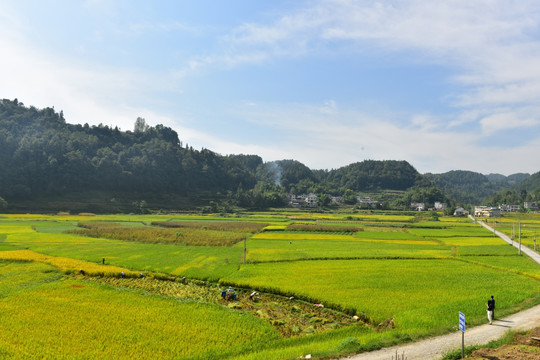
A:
(48, 162)
(41, 154)
(371, 175)
(468, 187)
(527, 189)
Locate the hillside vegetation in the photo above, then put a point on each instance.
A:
(49, 160)
(50, 165)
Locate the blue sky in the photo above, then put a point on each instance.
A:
(443, 85)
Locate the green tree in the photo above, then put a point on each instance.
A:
(140, 125)
(324, 200)
(349, 197)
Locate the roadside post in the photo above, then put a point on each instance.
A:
(462, 328)
(245, 249)
(513, 233)
(519, 252)
(535, 240)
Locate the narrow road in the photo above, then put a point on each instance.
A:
(434, 348)
(530, 252)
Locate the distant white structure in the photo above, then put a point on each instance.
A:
(486, 211)
(418, 206)
(439, 205)
(461, 212)
(509, 208)
(365, 200)
(311, 200)
(336, 199)
(530, 206)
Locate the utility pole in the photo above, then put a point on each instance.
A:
(513, 232)
(245, 249)
(519, 237)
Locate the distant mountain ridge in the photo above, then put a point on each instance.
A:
(510, 179)
(43, 157)
(468, 187)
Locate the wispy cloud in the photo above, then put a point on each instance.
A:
(506, 120)
(492, 47)
(493, 44)
(86, 95)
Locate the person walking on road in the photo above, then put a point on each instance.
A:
(490, 309)
(493, 307)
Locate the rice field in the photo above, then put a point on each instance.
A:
(404, 276)
(73, 319)
(419, 295)
(530, 228)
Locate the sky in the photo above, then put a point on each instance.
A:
(445, 85)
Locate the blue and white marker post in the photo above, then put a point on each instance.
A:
(462, 328)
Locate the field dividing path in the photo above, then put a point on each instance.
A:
(434, 348)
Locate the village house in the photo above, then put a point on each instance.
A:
(509, 208)
(461, 212)
(418, 206)
(486, 211)
(439, 205)
(311, 200)
(336, 199)
(365, 200)
(533, 206)
(296, 201)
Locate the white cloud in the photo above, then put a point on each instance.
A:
(492, 43)
(86, 94)
(324, 140)
(507, 120)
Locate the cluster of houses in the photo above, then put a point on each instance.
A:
(420, 206)
(311, 200)
(303, 200)
(495, 211)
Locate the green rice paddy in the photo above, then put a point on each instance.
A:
(408, 273)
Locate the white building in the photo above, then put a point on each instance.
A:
(461, 212)
(509, 208)
(439, 205)
(311, 200)
(530, 205)
(418, 206)
(486, 211)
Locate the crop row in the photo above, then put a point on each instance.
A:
(249, 227)
(145, 234)
(323, 228)
(65, 264)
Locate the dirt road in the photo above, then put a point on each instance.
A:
(529, 252)
(434, 348)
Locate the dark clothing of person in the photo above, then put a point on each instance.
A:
(491, 306)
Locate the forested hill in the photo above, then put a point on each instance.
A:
(43, 156)
(45, 159)
(468, 187)
(372, 175)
